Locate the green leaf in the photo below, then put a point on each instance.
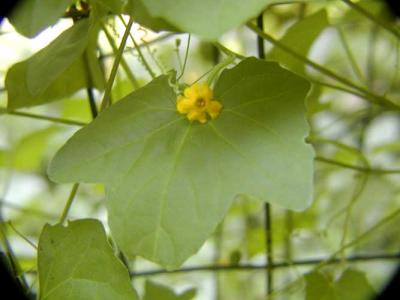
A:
(56, 71)
(207, 18)
(300, 36)
(32, 16)
(170, 182)
(27, 155)
(77, 263)
(352, 285)
(56, 57)
(318, 286)
(155, 291)
(105, 7)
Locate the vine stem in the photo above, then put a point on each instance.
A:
(361, 237)
(106, 99)
(373, 18)
(278, 265)
(185, 59)
(69, 203)
(356, 168)
(124, 64)
(368, 95)
(349, 53)
(267, 206)
(46, 118)
(139, 51)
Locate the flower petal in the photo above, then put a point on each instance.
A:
(214, 109)
(184, 105)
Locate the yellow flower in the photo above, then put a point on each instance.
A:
(197, 103)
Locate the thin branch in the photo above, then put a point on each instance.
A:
(267, 206)
(349, 53)
(89, 88)
(39, 213)
(368, 95)
(69, 203)
(22, 236)
(186, 58)
(144, 44)
(373, 18)
(46, 118)
(106, 98)
(356, 168)
(228, 51)
(279, 265)
(139, 51)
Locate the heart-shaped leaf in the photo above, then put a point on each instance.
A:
(170, 182)
(57, 70)
(32, 16)
(77, 262)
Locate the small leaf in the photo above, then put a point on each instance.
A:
(169, 182)
(155, 291)
(353, 285)
(300, 36)
(56, 57)
(318, 287)
(189, 15)
(56, 71)
(27, 155)
(32, 16)
(77, 263)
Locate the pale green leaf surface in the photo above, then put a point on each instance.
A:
(113, 6)
(77, 263)
(318, 287)
(155, 291)
(56, 71)
(52, 60)
(207, 18)
(352, 285)
(301, 37)
(170, 182)
(32, 16)
(27, 155)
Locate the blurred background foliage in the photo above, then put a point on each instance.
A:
(352, 139)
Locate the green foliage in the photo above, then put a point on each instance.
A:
(28, 153)
(30, 17)
(155, 291)
(189, 15)
(302, 34)
(352, 285)
(77, 262)
(57, 70)
(170, 182)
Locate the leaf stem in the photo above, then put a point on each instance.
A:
(356, 168)
(228, 51)
(373, 18)
(46, 118)
(118, 59)
(186, 58)
(346, 47)
(267, 206)
(361, 237)
(69, 203)
(368, 95)
(139, 51)
(278, 265)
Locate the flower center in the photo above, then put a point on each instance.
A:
(200, 102)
